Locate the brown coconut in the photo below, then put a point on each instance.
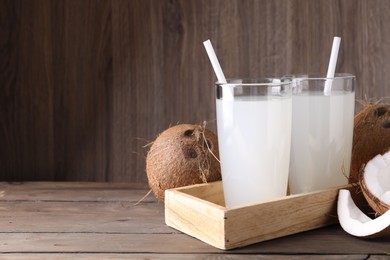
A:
(371, 136)
(182, 155)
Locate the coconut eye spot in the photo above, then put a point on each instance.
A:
(190, 153)
(386, 124)
(380, 111)
(189, 132)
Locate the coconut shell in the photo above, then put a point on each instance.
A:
(181, 156)
(371, 137)
(375, 203)
(356, 222)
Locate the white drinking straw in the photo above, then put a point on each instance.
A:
(214, 61)
(332, 64)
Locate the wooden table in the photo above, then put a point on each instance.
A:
(102, 220)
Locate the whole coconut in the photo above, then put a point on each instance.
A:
(371, 137)
(181, 156)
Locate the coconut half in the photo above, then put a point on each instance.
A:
(375, 183)
(371, 136)
(358, 224)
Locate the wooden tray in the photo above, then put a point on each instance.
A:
(199, 211)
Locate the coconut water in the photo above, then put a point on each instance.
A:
(254, 136)
(322, 128)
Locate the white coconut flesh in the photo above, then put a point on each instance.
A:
(376, 177)
(355, 222)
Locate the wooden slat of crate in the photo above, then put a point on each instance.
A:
(282, 217)
(194, 216)
(189, 210)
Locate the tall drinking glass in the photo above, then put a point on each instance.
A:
(254, 136)
(322, 131)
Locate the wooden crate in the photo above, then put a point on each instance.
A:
(199, 211)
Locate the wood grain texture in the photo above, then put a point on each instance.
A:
(228, 228)
(94, 221)
(17, 256)
(86, 84)
(74, 191)
(183, 256)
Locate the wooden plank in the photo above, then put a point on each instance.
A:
(328, 240)
(100, 243)
(320, 242)
(73, 185)
(91, 256)
(79, 207)
(89, 217)
(75, 191)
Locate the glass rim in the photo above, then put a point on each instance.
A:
(256, 82)
(319, 76)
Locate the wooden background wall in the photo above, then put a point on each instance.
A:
(85, 84)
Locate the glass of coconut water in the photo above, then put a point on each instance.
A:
(254, 137)
(322, 129)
